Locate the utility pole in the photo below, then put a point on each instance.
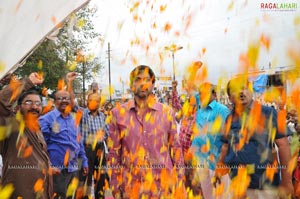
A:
(173, 65)
(173, 48)
(123, 87)
(109, 79)
(82, 58)
(83, 80)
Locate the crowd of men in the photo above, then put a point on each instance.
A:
(143, 148)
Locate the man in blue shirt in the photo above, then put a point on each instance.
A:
(63, 142)
(94, 131)
(248, 143)
(210, 117)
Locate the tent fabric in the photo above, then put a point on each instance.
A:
(25, 24)
(260, 83)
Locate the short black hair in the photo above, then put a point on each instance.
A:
(28, 92)
(137, 70)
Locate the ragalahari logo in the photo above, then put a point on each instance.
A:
(283, 6)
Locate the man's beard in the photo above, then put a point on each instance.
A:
(32, 112)
(93, 107)
(142, 95)
(31, 120)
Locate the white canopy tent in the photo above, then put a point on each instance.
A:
(24, 24)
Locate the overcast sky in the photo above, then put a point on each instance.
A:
(215, 32)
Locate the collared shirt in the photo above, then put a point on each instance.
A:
(186, 132)
(208, 144)
(62, 138)
(175, 100)
(93, 127)
(256, 152)
(147, 142)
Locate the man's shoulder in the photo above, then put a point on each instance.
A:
(49, 115)
(126, 106)
(222, 106)
(83, 110)
(101, 114)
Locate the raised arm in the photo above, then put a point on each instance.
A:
(11, 92)
(175, 147)
(175, 98)
(70, 78)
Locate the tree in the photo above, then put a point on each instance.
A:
(70, 50)
(46, 59)
(75, 41)
(75, 38)
(86, 71)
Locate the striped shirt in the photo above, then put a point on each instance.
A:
(175, 101)
(93, 128)
(187, 130)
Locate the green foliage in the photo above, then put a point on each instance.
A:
(75, 36)
(53, 67)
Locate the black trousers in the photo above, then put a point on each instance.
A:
(61, 183)
(97, 168)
